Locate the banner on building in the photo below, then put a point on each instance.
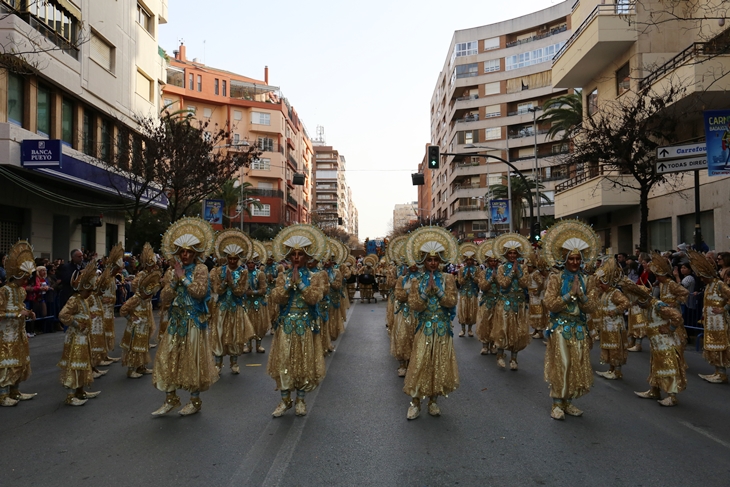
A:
(39, 153)
(717, 134)
(213, 213)
(499, 210)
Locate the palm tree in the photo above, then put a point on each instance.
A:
(230, 195)
(564, 113)
(518, 205)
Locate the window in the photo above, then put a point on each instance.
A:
(592, 102)
(492, 88)
(560, 148)
(529, 58)
(492, 111)
(259, 118)
(491, 66)
(67, 121)
(623, 79)
(101, 52)
(468, 137)
(465, 48)
(200, 83)
(467, 70)
(265, 210)
(479, 225)
(207, 112)
(523, 108)
(145, 19)
(215, 86)
(144, 87)
(224, 88)
(55, 17)
(550, 195)
(16, 99)
(87, 133)
(190, 81)
(207, 136)
(493, 133)
(492, 43)
(106, 141)
(660, 234)
(44, 111)
(261, 165)
(624, 7)
(237, 114)
(236, 139)
(266, 144)
(265, 186)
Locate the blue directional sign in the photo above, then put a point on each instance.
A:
(38, 153)
(717, 134)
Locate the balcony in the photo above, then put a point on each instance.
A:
(607, 32)
(469, 118)
(292, 162)
(593, 192)
(272, 193)
(291, 201)
(537, 37)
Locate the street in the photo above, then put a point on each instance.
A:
(494, 430)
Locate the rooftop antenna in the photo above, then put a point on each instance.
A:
(320, 134)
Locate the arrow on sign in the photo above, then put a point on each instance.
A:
(662, 167)
(664, 153)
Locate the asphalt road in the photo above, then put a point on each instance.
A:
(494, 430)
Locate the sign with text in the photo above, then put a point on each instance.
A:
(38, 153)
(499, 211)
(717, 134)
(680, 165)
(213, 213)
(681, 151)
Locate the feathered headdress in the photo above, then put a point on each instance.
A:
(701, 265)
(150, 283)
(659, 265)
(147, 258)
(84, 279)
(20, 262)
(609, 273)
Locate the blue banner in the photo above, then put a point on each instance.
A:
(39, 153)
(499, 210)
(717, 134)
(213, 213)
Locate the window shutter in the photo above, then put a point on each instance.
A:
(101, 52)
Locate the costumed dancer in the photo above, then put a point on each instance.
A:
(107, 287)
(404, 319)
(715, 317)
(486, 279)
(135, 343)
(394, 255)
(147, 263)
(366, 278)
(97, 337)
(334, 277)
(14, 347)
(75, 364)
(184, 359)
(670, 291)
(538, 270)
(296, 361)
(351, 265)
(568, 371)
(318, 278)
(271, 270)
(637, 323)
(432, 370)
(468, 306)
(344, 297)
(667, 364)
(510, 324)
(255, 298)
(610, 309)
(232, 330)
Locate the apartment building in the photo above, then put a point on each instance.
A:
(333, 197)
(353, 218)
(255, 113)
(90, 68)
(404, 214)
(484, 101)
(617, 51)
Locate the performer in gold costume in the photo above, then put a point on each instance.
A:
(466, 311)
(432, 370)
(336, 256)
(394, 255)
(135, 343)
(75, 364)
(184, 359)
(670, 291)
(510, 324)
(366, 278)
(351, 277)
(147, 263)
(14, 348)
(271, 269)
(107, 288)
(490, 294)
(568, 371)
(610, 309)
(538, 270)
(255, 298)
(230, 329)
(296, 361)
(715, 317)
(403, 328)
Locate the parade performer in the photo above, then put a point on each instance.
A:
(147, 263)
(432, 370)
(107, 287)
(510, 325)
(75, 364)
(568, 371)
(97, 337)
(715, 317)
(394, 254)
(667, 364)
(366, 278)
(296, 361)
(637, 323)
(14, 347)
(334, 277)
(670, 291)
(610, 309)
(351, 265)
(184, 359)
(487, 281)
(135, 343)
(319, 279)
(344, 295)
(271, 270)
(404, 319)
(231, 330)
(468, 306)
(255, 298)
(538, 270)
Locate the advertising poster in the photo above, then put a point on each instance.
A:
(213, 213)
(717, 133)
(499, 212)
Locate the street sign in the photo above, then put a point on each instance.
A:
(681, 151)
(680, 165)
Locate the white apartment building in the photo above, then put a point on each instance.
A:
(333, 198)
(403, 214)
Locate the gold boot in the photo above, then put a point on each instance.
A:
(171, 402)
(191, 407)
(284, 405)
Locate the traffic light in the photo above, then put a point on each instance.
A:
(433, 157)
(536, 232)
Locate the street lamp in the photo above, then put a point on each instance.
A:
(241, 207)
(509, 179)
(536, 170)
(415, 210)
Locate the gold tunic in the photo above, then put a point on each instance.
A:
(404, 319)
(509, 323)
(14, 348)
(490, 293)
(614, 343)
(256, 307)
(135, 343)
(466, 311)
(107, 289)
(667, 365)
(716, 341)
(230, 328)
(336, 320)
(568, 368)
(97, 337)
(318, 278)
(637, 318)
(75, 362)
(536, 291)
(675, 295)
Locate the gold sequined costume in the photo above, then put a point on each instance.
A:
(75, 362)
(14, 348)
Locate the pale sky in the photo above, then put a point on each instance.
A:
(364, 71)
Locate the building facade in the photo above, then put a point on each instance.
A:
(333, 197)
(89, 68)
(485, 100)
(405, 214)
(255, 113)
(619, 50)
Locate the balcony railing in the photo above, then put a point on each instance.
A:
(695, 50)
(292, 201)
(525, 133)
(468, 97)
(468, 208)
(293, 162)
(50, 34)
(466, 164)
(470, 118)
(537, 37)
(458, 186)
(588, 174)
(272, 193)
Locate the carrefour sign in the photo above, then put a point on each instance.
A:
(38, 153)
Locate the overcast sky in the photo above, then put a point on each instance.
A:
(364, 71)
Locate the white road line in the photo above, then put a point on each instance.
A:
(705, 433)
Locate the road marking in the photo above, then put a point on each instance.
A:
(705, 433)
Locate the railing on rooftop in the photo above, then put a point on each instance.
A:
(695, 50)
(580, 178)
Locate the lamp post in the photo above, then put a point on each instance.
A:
(415, 210)
(241, 203)
(509, 175)
(536, 170)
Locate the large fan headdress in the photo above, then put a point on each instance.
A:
(305, 237)
(427, 241)
(20, 262)
(233, 242)
(190, 233)
(511, 241)
(570, 237)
